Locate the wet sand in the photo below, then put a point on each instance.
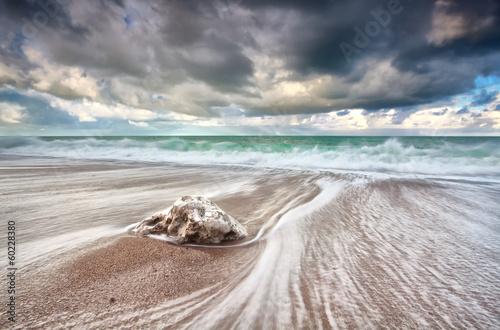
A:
(329, 250)
(130, 274)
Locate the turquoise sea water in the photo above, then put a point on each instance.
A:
(469, 156)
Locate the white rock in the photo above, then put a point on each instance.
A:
(193, 219)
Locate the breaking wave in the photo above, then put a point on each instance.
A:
(414, 155)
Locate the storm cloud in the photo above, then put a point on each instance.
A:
(252, 57)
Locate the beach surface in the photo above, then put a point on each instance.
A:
(326, 249)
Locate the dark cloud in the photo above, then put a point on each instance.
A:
(398, 117)
(463, 110)
(227, 68)
(368, 112)
(30, 17)
(307, 6)
(313, 47)
(119, 3)
(483, 98)
(440, 113)
(404, 53)
(401, 114)
(343, 113)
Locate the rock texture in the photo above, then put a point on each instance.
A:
(193, 219)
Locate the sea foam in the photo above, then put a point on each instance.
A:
(439, 156)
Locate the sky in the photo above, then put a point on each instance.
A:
(249, 67)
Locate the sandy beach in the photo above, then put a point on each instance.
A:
(130, 275)
(324, 250)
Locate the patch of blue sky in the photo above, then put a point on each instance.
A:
(482, 81)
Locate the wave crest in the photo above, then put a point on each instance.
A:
(438, 156)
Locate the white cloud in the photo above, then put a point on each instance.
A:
(9, 74)
(138, 124)
(60, 80)
(428, 121)
(11, 113)
(88, 110)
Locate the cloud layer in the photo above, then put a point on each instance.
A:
(234, 60)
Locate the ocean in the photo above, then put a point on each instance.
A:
(344, 232)
(468, 156)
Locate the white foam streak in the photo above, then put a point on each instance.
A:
(276, 270)
(47, 248)
(390, 156)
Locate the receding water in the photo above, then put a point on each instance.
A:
(344, 232)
